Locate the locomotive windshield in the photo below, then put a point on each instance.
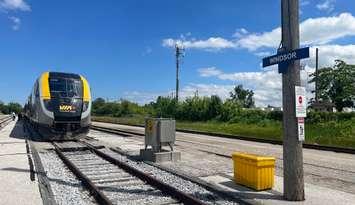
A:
(66, 87)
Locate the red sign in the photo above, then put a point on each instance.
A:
(300, 99)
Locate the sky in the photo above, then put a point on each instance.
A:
(126, 48)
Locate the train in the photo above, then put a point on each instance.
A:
(59, 106)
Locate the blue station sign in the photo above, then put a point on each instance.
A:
(284, 58)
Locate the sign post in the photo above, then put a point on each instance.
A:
(293, 99)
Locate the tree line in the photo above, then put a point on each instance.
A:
(10, 107)
(335, 84)
(237, 108)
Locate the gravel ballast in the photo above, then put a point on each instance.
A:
(181, 184)
(117, 185)
(66, 188)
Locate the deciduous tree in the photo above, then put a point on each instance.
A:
(336, 84)
(243, 97)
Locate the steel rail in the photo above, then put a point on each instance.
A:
(196, 180)
(103, 129)
(162, 186)
(229, 136)
(5, 119)
(93, 189)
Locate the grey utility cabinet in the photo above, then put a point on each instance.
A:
(159, 132)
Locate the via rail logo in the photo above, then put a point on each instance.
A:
(66, 108)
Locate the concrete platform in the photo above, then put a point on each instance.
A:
(314, 194)
(16, 186)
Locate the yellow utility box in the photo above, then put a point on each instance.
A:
(254, 171)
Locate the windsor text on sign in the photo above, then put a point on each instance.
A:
(286, 57)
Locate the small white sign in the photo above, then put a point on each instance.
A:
(301, 131)
(301, 102)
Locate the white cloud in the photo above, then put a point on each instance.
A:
(329, 53)
(206, 90)
(240, 33)
(312, 31)
(210, 71)
(251, 79)
(16, 22)
(14, 5)
(210, 44)
(267, 85)
(255, 41)
(327, 5)
(326, 29)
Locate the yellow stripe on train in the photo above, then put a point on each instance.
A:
(44, 81)
(86, 90)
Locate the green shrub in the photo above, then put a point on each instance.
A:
(275, 115)
(316, 117)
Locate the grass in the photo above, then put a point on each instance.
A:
(341, 134)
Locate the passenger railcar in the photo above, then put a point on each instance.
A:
(59, 106)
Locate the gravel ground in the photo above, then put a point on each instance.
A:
(177, 182)
(66, 188)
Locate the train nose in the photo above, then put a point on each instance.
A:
(67, 108)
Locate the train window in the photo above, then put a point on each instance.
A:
(74, 88)
(63, 87)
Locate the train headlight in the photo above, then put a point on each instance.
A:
(85, 106)
(48, 105)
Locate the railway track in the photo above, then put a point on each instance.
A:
(305, 145)
(130, 133)
(112, 181)
(4, 120)
(335, 174)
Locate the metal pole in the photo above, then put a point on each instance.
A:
(316, 85)
(292, 147)
(177, 71)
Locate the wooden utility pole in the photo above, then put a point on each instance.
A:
(178, 54)
(292, 147)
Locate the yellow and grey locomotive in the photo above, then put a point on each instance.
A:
(59, 106)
